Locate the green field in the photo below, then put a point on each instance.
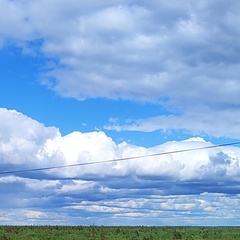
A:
(116, 233)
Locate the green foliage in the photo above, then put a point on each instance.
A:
(116, 233)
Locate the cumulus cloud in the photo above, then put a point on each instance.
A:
(26, 142)
(152, 46)
(131, 189)
(21, 138)
(180, 55)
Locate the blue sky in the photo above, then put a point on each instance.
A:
(98, 80)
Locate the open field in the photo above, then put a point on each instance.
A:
(116, 233)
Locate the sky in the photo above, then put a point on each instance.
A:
(95, 80)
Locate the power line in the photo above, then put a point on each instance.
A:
(116, 160)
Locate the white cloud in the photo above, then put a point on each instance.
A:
(197, 187)
(25, 143)
(21, 137)
(183, 56)
(34, 214)
(199, 121)
(206, 207)
(14, 23)
(112, 37)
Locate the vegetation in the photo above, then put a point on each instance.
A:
(116, 233)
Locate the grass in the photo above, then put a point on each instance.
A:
(116, 233)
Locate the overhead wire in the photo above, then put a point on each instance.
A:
(115, 160)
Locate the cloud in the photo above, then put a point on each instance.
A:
(199, 121)
(181, 56)
(21, 137)
(159, 209)
(184, 183)
(152, 46)
(34, 214)
(28, 143)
